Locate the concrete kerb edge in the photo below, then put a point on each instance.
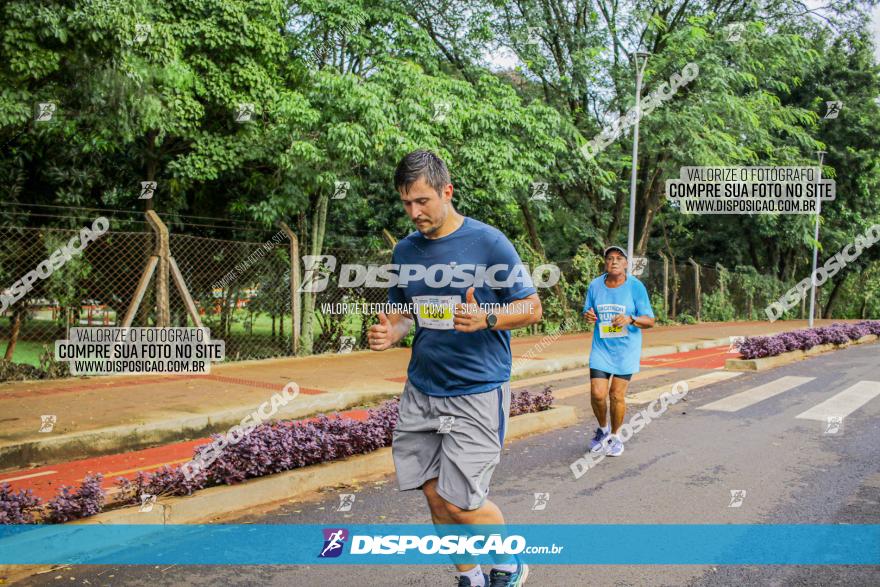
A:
(791, 356)
(229, 499)
(91, 443)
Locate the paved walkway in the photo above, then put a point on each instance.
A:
(101, 415)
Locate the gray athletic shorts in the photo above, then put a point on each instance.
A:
(456, 440)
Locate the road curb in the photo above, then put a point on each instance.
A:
(230, 499)
(103, 441)
(791, 356)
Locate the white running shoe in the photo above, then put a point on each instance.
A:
(613, 446)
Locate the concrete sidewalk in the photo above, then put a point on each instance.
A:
(103, 415)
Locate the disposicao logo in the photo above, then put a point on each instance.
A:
(334, 541)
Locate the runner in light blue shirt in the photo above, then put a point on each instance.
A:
(620, 307)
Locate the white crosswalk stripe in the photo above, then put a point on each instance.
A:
(738, 401)
(645, 397)
(844, 403)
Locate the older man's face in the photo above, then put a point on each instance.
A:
(615, 263)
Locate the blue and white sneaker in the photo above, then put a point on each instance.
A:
(466, 581)
(599, 440)
(498, 578)
(613, 447)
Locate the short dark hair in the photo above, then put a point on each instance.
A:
(421, 164)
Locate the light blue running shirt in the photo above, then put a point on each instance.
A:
(617, 350)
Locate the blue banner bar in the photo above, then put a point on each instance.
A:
(247, 544)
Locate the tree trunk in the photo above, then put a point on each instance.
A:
(615, 217)
(652, 201)
(832, 298)
(230, 301)
(675, 287)
(150, 165)
(697, 289)
(319, 223)
(529, 221)
(15, 330)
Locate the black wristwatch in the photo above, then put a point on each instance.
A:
(491, 320)
(633, 318)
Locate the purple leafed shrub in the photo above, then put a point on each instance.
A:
(807, 339)
(273, 448)
(872, 326)
(757, 347)
(81, 503)
(17, 508)
(790, 341)
(832, 335)
(526, 403)
(854, 331)
(269, 448)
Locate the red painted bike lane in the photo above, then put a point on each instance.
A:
(709, 358)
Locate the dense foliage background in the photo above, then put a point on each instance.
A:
(506, 92)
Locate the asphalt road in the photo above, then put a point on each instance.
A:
(681, 468)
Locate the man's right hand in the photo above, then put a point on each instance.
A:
(590, 315)
(381, 335)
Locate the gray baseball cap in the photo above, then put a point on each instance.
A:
(615, 248)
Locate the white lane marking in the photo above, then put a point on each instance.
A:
(738, 401)
(520, 383)
(645, 397)
(844, 403)
(31, 476)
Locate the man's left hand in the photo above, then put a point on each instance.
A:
(468, 316)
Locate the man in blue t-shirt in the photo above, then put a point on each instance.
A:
(620, 307)
(467, 288)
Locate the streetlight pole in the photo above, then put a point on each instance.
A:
(635, 159)
(821, 156)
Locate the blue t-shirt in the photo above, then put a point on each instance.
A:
(617, 350)
(446, 362)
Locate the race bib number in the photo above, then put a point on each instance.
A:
(608, 330)
(607, 312)
(436, 312)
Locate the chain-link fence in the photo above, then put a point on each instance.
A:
(243, 292)
(91, 289)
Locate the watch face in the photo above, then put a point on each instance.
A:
(491, 320)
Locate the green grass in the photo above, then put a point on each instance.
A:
(26, 351)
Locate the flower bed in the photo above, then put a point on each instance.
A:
(269, 448)
(759, 347)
